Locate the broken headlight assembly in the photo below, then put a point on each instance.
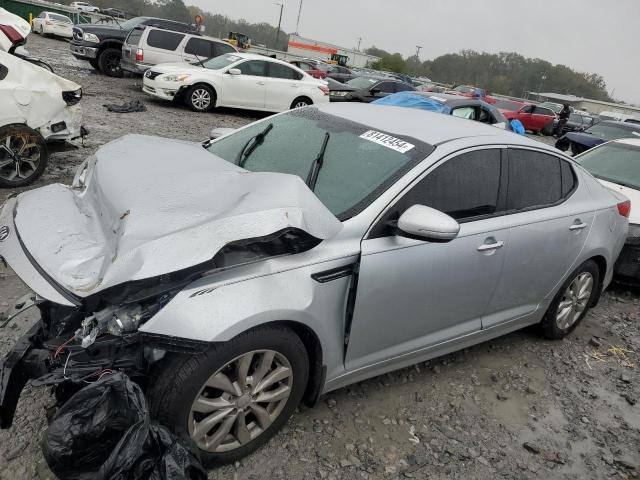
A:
(72, 97)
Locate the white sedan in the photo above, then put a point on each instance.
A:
(85, 7)
(236, 80)
(49, 23)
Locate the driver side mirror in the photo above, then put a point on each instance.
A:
(234, 71)
(428, 223)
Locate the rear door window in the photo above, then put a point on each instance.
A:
(200, 47)
(277, 70)
(386, 87)
(256, 68)
(220, 48)
(164, 39)
(537, 180)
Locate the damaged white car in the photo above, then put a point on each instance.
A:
(36, 106)
(302, 253)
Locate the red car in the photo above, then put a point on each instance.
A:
(310, 68)
(533, 118)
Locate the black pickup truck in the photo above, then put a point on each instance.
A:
(101, 44)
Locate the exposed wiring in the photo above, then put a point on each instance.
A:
(61, 347)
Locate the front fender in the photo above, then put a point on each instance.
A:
(209, 311)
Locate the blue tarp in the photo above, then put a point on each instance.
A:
(413, 100)
(517, 127)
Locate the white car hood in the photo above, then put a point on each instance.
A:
(183, 67)
(145, 206)
(632, 194)
(31, 94)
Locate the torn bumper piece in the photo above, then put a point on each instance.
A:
(16, 369)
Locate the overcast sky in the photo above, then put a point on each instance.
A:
(598, 36)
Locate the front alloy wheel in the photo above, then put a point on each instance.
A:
(233, 397)
(200, 98)
(240, 401)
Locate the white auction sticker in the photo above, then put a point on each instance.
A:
(388, 141)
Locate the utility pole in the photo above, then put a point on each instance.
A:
(279, 23)
(418, 48)
(359, 41)
(298, 22)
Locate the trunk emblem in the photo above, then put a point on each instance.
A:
(4, 233)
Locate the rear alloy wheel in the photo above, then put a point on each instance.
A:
(23, 155)
(200, 98)
(232, 398)
(109, 62)
(301, 102)
(572, 301)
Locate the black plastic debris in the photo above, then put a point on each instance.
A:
(127, 107)
(103, 432)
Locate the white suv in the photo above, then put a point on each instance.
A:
(149, 46)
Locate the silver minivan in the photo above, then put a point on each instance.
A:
(149, 46)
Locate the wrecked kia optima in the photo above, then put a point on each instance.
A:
(304, 252)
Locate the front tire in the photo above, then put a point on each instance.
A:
(572, 302)
(109, 62)
(234, 397)
(200, 98)
(23, 155)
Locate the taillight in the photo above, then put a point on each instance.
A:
(139, 55)
(324, 89)
(12, 34)
(624, 208)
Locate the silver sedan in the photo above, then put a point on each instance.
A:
(302, 253)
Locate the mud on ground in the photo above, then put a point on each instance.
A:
(519, 407)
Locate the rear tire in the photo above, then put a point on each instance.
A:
(563, 144)
(200, 98)
(572, 302)
(205, 397)
(109, 62)
(24, 159)
(301, 102)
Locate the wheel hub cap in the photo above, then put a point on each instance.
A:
(240, 401)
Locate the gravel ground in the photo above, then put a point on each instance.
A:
(519, 407)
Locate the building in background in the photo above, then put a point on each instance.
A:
(308, 48)
(587, 104)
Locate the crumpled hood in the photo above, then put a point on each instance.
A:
(146, 206)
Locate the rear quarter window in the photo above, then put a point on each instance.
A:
(134, 36)
(164, 40)
(537, 180)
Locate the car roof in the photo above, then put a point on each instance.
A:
(429, 127)
(255, 56)
(629, 126)
(629, 141)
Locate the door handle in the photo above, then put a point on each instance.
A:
(490, 246)
(294, 86)
(261, 83)
(578, 226)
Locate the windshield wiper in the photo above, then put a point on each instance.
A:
(250, 147)
(198, 58)
(312, 176)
